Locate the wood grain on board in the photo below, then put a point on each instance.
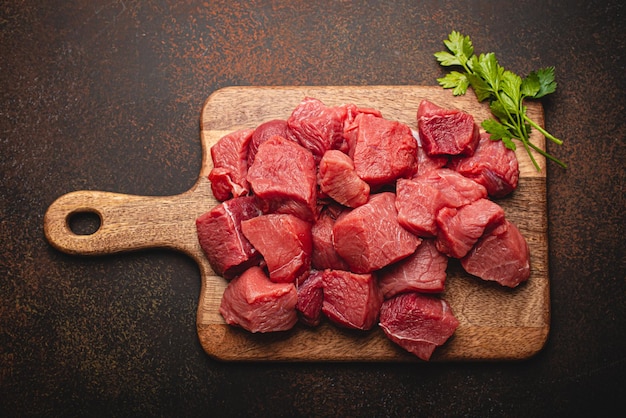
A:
(496, 323)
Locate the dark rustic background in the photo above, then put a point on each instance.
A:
(106, 95)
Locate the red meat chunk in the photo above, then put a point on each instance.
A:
(501, 256)
(285, 243)
(417, 203)
(339, 180)
(266, 130)
(459, 229)
(351, 300)
(353, 111)
(427, 109)
(283, 177)
(418, 323)
(493, 165)
(318, 127)
(456, 190)
(384, 150)
(422, 271)
(350, 127)
(230, 165)
(324, 254)
(257, 304)
(447, 132)
(310, 298)
(425, 163)
(420, 199)
(221, 238)
(370, 237)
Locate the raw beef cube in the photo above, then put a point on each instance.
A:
(370, 237)
(324, 255)
(501, 256)
(425, 163)
(384, 150)
(310, 298)
(456, 189)
(317, 127)
(339, 180)
(459, 229)
(353, 111)
(350, 128)
(284, 241)
(418, 323)
(266, 130)
(493, 165)
(447, 132)
(257, 304)
(230, 165)
(283, 176)
(417, 203)
(420, 199)
(427, 109)
(351, 300)
(221, 239)
(422, 271)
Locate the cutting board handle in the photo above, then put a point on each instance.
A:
(127, 222)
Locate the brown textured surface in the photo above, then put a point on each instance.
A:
(107, 96)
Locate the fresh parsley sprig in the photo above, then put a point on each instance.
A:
(504, 90)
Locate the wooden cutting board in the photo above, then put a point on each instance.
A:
(496, 323)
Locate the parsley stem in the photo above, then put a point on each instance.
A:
(515, 129)
(543, 131)
(530, 154)
(528, 145)
(545, 154)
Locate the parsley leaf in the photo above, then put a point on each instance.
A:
(546, 81)
(505, 91)
(498, 132)
(457, 81)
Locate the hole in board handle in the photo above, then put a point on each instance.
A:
(84, 222)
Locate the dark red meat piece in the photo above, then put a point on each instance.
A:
(266, 130)
(354, 110)
(230, 165)
(285, 243)
(501, 256)
(418, 323)
(417, 203)
(283, 176)
(310, 299)
(351, 300)
(384, 150)
(456, 189)
(370, 237)
(427, 109)
(447, 132)
(422, 271)
(324, 255)
(339, 180)
(425, 163)
(221, 239)
(459, 229)
(420, 199)
(493, 165)
(350, 127)
(318, 127)
(257, 304)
